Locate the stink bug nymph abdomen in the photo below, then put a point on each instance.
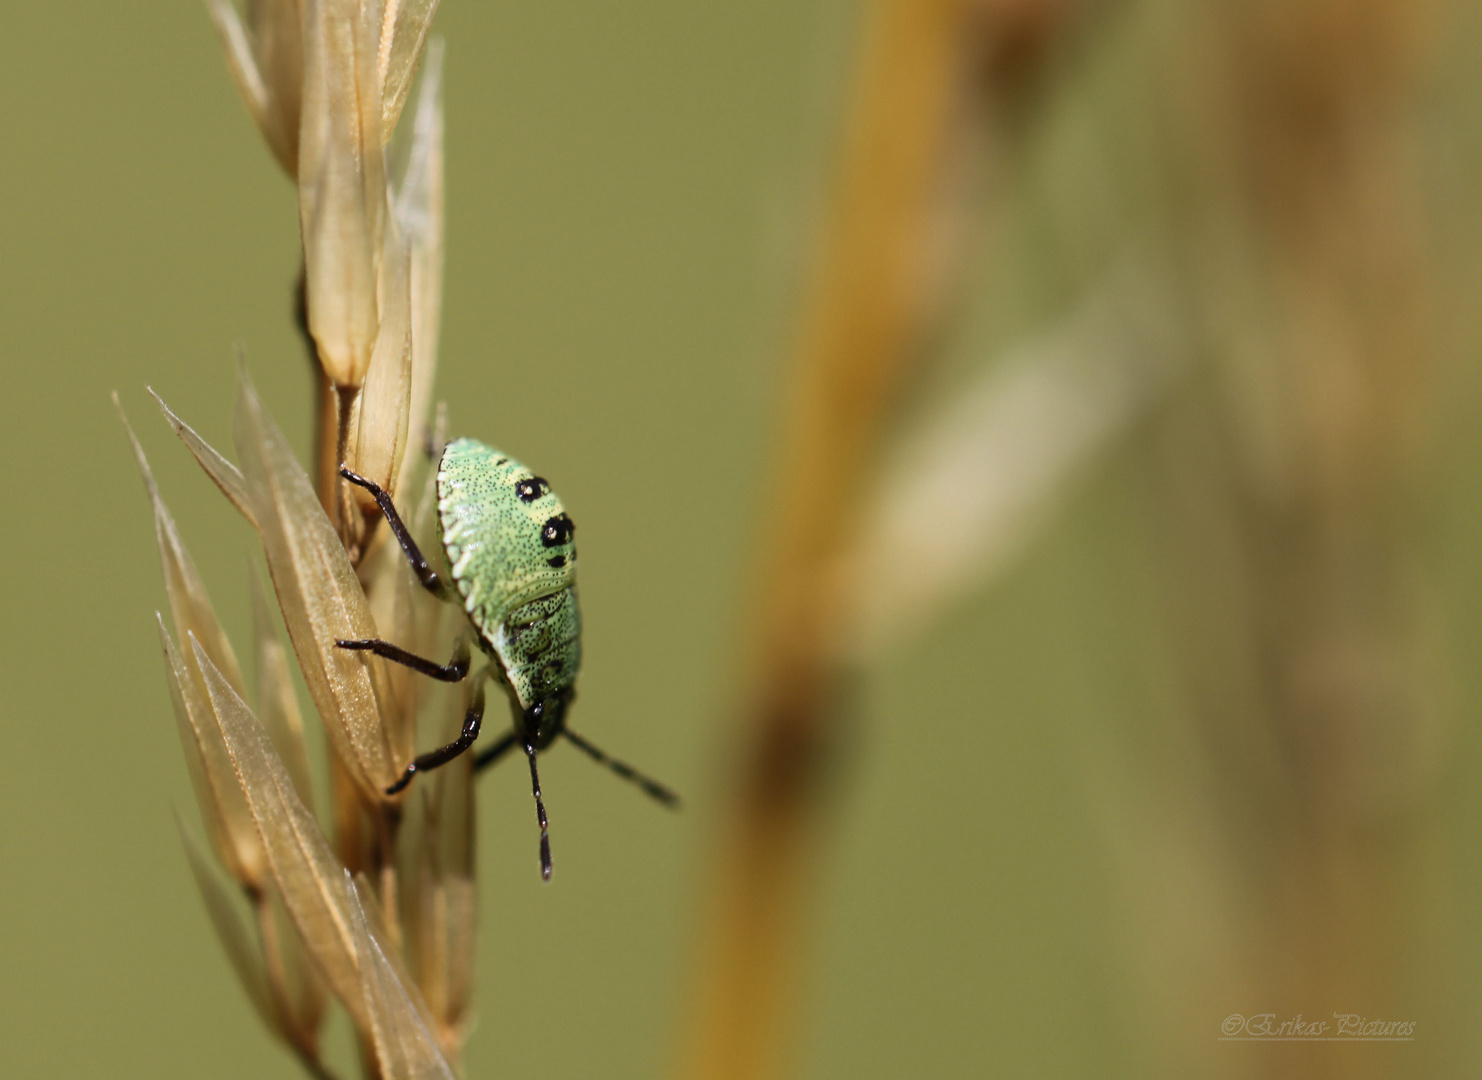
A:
(510, 553)
(510, 558)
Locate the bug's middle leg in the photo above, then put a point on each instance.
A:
(444, 754)
(453, 671)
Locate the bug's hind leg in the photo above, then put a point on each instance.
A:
(420, 566)
(494, 753)
(652, 788)
(545, 831)
(444, 754)
(453, 671)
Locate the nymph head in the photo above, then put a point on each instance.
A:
(541, 722)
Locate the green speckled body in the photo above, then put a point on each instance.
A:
(510, 555)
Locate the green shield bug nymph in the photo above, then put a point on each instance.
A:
(510, 563)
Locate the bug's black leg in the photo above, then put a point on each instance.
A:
(453, 671)
(545, 832)
(650, 787)
(444, 754)
(425, 574)
(494, 753)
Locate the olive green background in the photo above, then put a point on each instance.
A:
(629, 194)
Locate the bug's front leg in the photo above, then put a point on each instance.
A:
(444, 754)
(420, 566)
(453, 671)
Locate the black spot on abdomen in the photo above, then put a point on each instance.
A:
(557, 531)
(532, 488)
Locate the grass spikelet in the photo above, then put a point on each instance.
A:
(398, 1025)
(326, 81)
(228, 819)
(305, 868)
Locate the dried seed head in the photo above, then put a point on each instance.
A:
(326, 81)
(266, 55)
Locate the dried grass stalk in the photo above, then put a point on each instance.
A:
(857, 329)
(326, 81)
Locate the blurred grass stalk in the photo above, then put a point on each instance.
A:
(1298, 477)
(382, 921)
(881, 270)
(1273, 328)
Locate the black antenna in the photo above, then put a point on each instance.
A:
(652, 788)
(545, 835)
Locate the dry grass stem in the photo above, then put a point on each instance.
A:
(858, 327)
(888, 249)
(326, 81)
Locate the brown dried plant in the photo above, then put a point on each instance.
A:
(870, 304)
(380, 917)
(1281, 328)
